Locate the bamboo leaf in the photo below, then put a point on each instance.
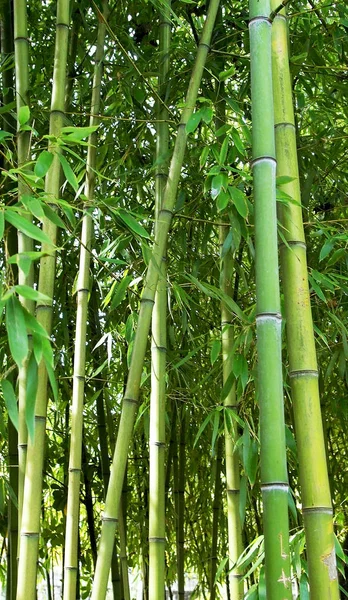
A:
(10, 401)
(202, 427)
(43, 163)
(133, 224)
(16, 330)
(222, 200)
(26, 227)
(28, 292)
(35, 326)
(237, 141)
(32, 384)
(239, 200)
(215, 431)
(120, 292)
(215, 351)
(23, 115)
(193, 121)
(223, 151)
(68, 172)
(228, 73)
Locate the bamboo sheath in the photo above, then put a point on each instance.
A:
(25, 244)
(130, 400)
(29, 541)
(316, 499)
(158, 348)
(83, 287)
(274, 482)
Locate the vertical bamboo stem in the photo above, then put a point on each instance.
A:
(158, 349)
(180, 506)
(72, 521)
(29, 542)
(316, 499)
(274, 481)
(25, 244)
(130, 400)
(216, 516)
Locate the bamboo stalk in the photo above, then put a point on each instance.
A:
(274, 481)
(216, 516)
(315, 489)
(11, 246)
(231, 433)
(29, 542)
(25, 244)
(158, 349)
(179, 492)
(72, 521)
(130, 400)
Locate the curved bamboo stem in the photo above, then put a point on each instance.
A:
(29, 542)
(274, 480)
(316, 498)
(130, 400)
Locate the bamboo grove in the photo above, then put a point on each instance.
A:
(174, 300)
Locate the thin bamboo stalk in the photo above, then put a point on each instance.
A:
(117, 582)
(216, 518)
(29, 542)
(25, 244)
(180, 505)
(231, 433)
(72, 521)
(315, 489)
(130, 400)
(274, 481)
(11, 245)
(235, 546)
(158, 349)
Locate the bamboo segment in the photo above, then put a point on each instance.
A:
(30, 529)
(216, 518)
(274, 482)
(132, 390)
(25, 244)
(72, 521)
(158, 349)
(316, 499)
(231, 434)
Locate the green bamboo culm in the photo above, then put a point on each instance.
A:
(83, 290)
(274, 480)
(234, 526)
(303, 370)
(232, 468)
(158, 347)
(25, 244)
(30, 529)
(130, 400)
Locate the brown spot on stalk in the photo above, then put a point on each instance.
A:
(329, 561)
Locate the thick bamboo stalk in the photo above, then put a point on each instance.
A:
(30, 529)
(25, 244)
(315, 490)
(274, 480)
(130, 400)
(72, 521)
(158, 348)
